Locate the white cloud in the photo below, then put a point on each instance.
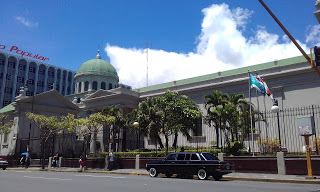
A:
(26, 22)
(314, 35)
(220, 46)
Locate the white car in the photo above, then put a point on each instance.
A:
(3, 164)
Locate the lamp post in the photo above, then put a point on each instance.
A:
(275, 109)
(31, 112)
(136, 125)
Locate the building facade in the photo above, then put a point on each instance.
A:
(292, 82)
(37, 76)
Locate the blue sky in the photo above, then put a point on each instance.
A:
(187, 37)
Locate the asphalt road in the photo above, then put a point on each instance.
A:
(36, 181)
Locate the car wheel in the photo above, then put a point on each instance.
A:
(217, 177)
(153, 172)
(4, 168)
(168, 175)
(202, 174)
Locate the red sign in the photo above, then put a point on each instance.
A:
(16, 50)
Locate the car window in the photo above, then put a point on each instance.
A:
(208, 156)
(171, 157)
(187, 158)
(194, 157)
(180, 157)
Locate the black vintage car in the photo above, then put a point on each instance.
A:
(190, 163)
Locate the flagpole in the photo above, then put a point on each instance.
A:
(258, 118)
(250, 114)
(265, 118)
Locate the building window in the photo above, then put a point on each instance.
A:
(198, 130)
(9, 77)
(31, 69)
(110, 86)
(41, 71)
(86, 86)
(22, 67)
(11, 64)
(30, 81)
(5, 138)
(94, 85)
(49, 86)
(5, 103)
(29, 93)
(79, 87)
(50, 73)
(8, 90)
(103, 85)
(40, 83)
(20, 79)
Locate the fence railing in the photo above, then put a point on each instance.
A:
(266, 134)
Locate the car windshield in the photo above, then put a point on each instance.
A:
(208, 156)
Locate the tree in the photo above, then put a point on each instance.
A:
(5, 125)
(149, 118)
(48, 126)
(93, 125)
(215, 110)
(118, 124)
(167, 115)
(76, 126)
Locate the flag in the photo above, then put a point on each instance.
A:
(254, 82)
(266, 88)
(268, 92)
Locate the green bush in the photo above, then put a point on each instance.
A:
(235, 149)
(132, 154)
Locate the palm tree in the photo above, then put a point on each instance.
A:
(236, 101)
(215, 104)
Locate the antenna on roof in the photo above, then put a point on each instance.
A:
(147, 49)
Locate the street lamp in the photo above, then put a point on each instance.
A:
(136, 125)
(275, 109)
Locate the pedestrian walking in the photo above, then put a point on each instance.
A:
(27, 164)
(82, 161)
(111, 160)
(55, 160)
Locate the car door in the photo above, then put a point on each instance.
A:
(169, 165)
(180, 163)
(194, 163)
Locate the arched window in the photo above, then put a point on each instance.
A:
(103, 85)
(94, 85)
(79, 87)
(110, 86)
(86, 86)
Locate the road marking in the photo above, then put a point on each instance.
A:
(48, 178)
(99, 176)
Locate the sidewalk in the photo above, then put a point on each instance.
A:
(232, 176)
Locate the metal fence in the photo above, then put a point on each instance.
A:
(265, 137)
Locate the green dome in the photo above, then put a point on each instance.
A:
(97, 67)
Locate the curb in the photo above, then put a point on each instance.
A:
(272, 180)
(307, 181)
